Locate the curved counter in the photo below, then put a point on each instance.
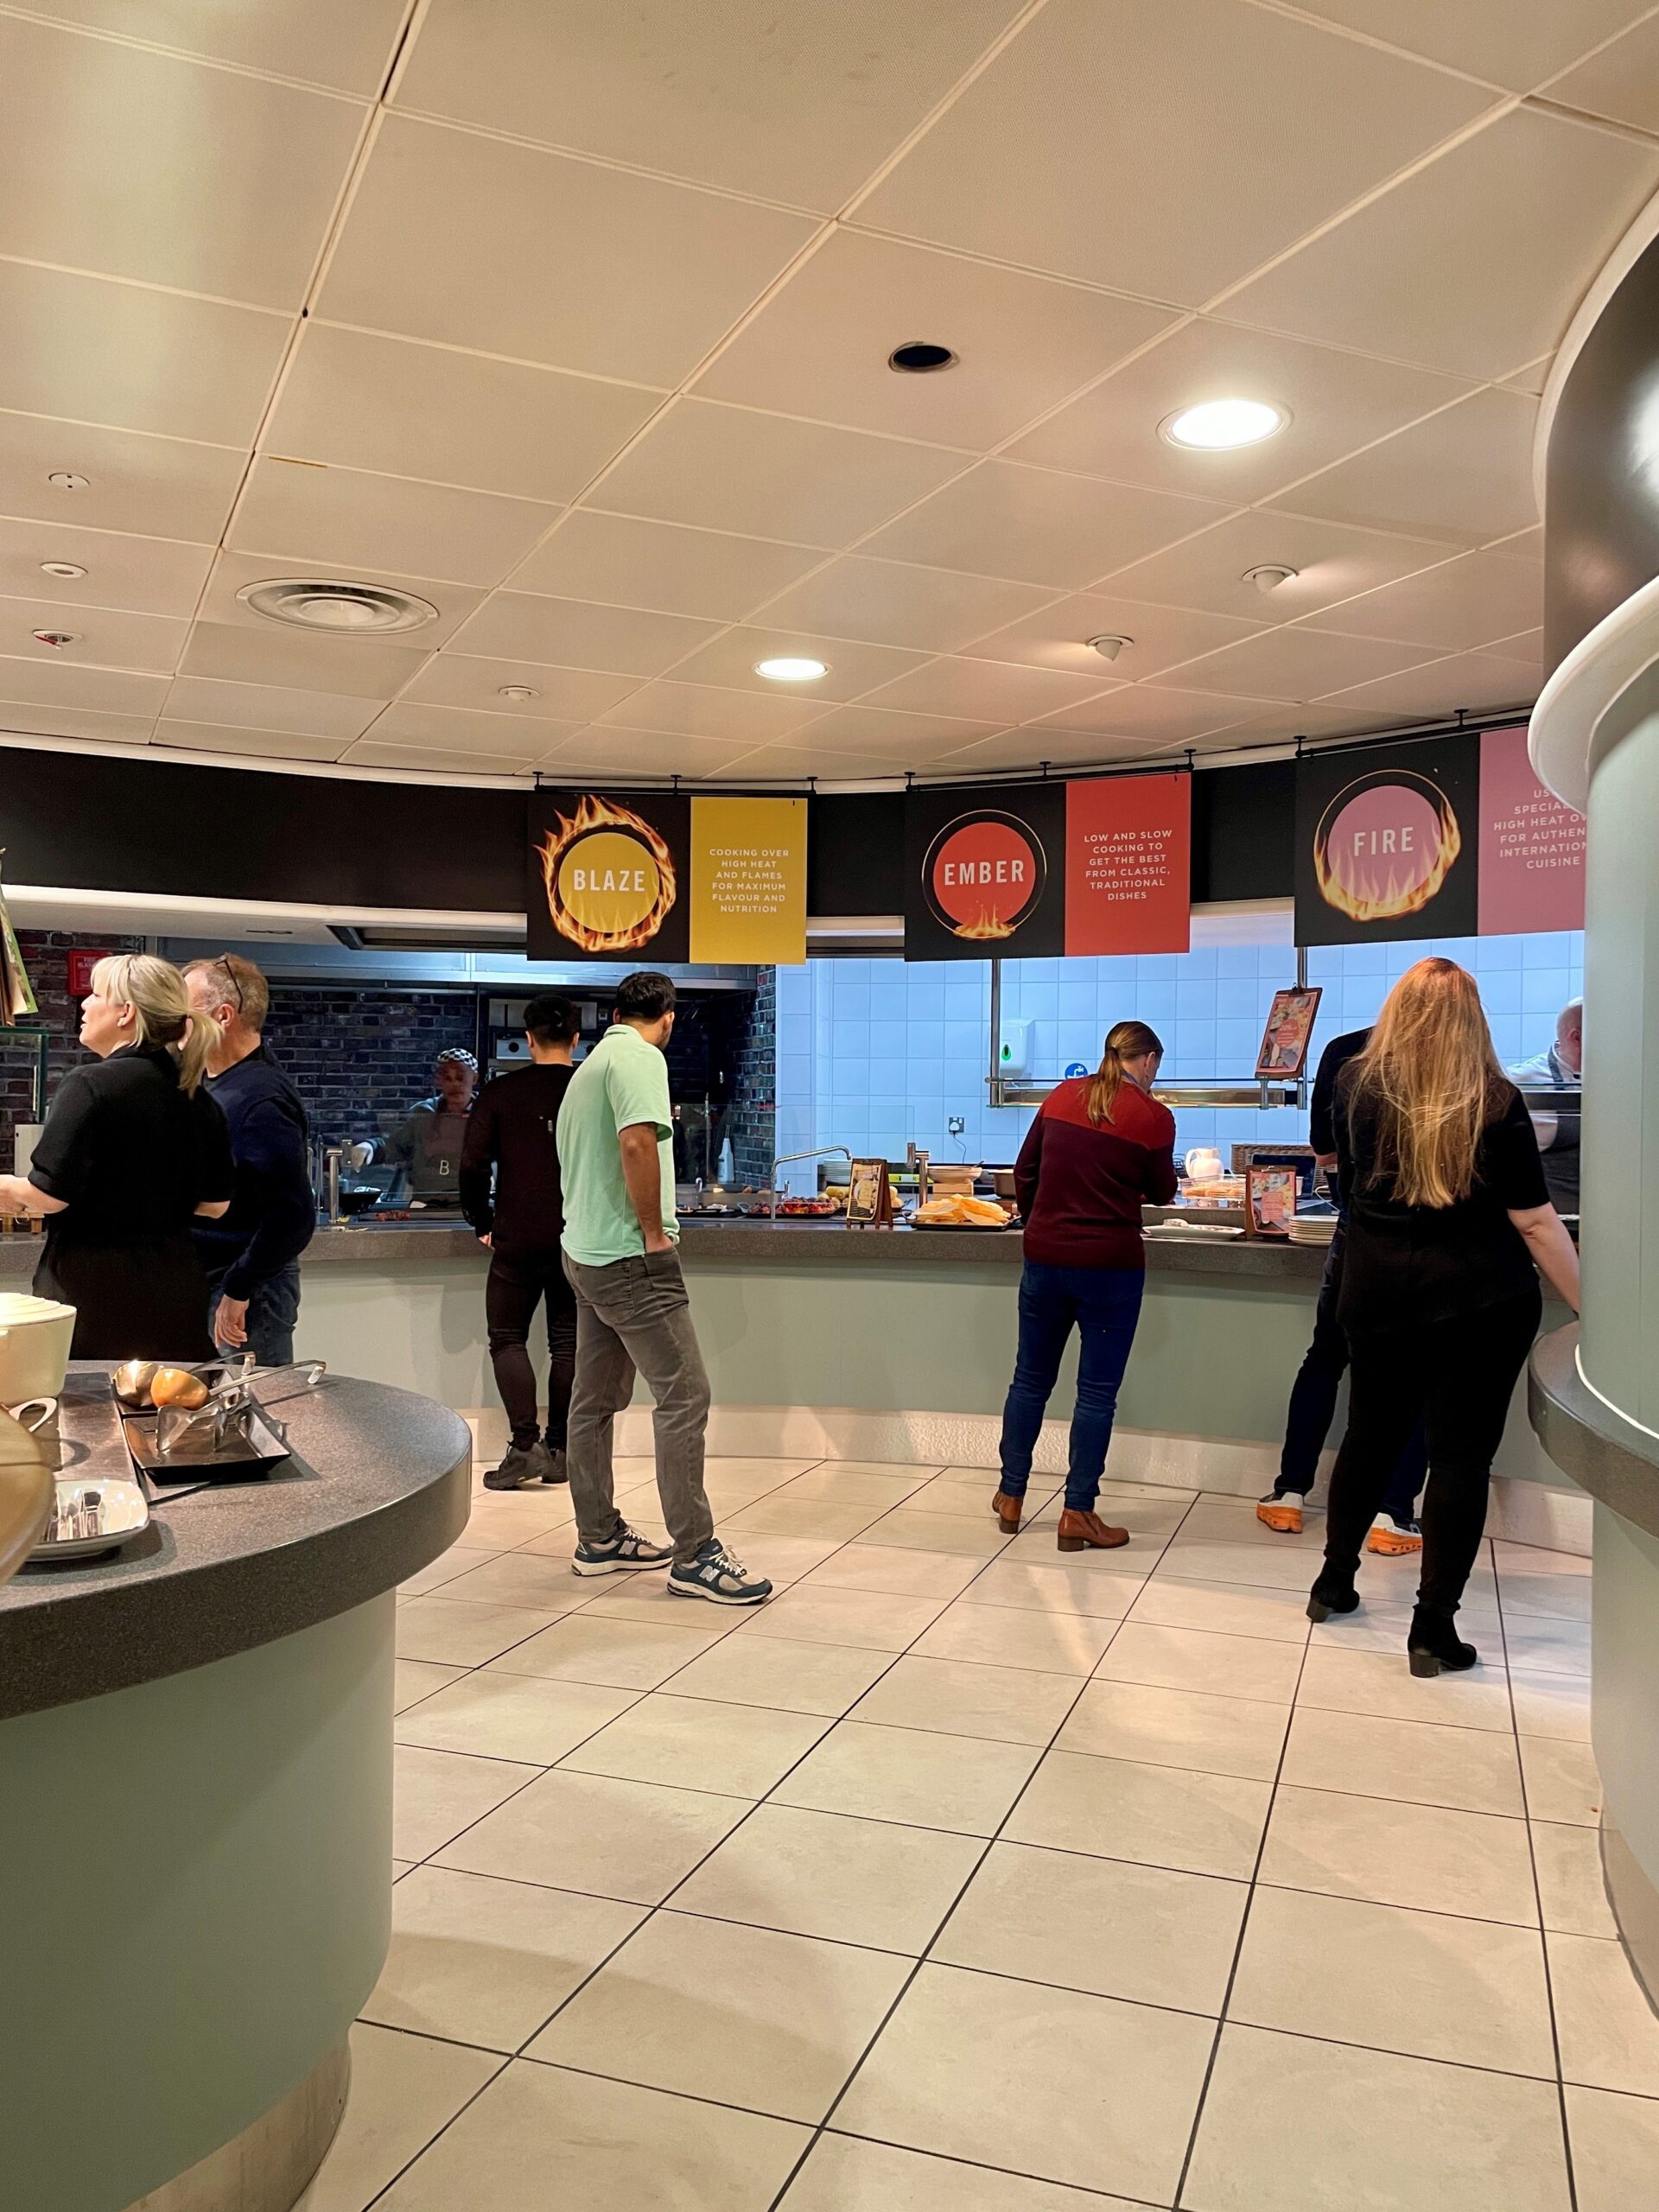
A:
(195, 1802)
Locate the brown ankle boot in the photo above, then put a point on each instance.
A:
(1088, 1532)
(1007, 1511)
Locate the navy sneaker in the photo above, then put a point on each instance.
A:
(627, 1551)
(714, 1574)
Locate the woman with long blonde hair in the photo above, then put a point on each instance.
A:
(134, 1149)
(1447, 1214)
(1101, 1146)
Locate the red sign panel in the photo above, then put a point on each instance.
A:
(80, 967)
(1128, 864)
(1531, 846)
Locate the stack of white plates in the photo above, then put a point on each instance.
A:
(1312, 1228)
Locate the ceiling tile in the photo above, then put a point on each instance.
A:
(101, 636)
(1474, 682)
(1476, 262)
(699, 710)
(990, 690)
(255, 744)
(345, 517)
(29, 718)
(62, 684)
(600, 750)
(1516, 45)
(152, 167)
(819, 347)
(879, 733)
(368, 752)
(234, 572)
(1038, 526)
(1284, 722)
(264, 707)
(1293, 664)
(1533, 378)
(1331, 562)
(1466, 602)
(850, 668)
(1465, 476)
(1140, 710)
(362, 668)
(1337, 401)
(88, 350)
(1164, 147)
(462, 729)
(587, 268)
(361, 401)
(159, 486)
(1621, 81)
(453, 679)
(891, 603)
(145, 575)
(797, 104)
(578, 633)
(779, 764)
(769, 476)
(1035, 747)
(661, 565)
(1158, 636)
(318, 39)
(1520, 645)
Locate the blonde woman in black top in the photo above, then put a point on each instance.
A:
(1448, 1221)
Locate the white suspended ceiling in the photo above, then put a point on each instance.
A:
(574, 320)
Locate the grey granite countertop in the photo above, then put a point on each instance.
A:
(1609, 1456)
(377, 1487)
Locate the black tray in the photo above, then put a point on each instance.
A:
(236, 1460)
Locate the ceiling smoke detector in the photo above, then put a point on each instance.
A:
(1110, 645)
(65, 479)
(518, 693)
(919, 357)
(1267, 575)
(328, 603)
(67, 569)
(56, 639)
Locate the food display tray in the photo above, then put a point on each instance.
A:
(237, 1459)
(960, 1228)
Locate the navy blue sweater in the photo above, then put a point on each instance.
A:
(273, 1212)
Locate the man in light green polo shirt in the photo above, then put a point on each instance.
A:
(621, 1234)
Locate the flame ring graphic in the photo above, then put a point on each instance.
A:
(989, 925)
(1395, 900)
(594, 813)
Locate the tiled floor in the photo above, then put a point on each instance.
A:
(966, 1875)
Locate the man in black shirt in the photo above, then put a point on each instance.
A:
(510, 1129)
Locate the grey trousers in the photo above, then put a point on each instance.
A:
(635, 1315)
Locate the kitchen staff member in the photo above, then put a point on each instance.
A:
(1557, 1130)
(428, 1146)
(134, 1151)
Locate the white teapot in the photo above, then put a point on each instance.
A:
(1203, 1164)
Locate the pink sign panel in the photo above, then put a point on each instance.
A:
(1531, 846)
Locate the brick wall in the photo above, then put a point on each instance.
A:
(754, 1119)
(46, 955)
(360, 1060)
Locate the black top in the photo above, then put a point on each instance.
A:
(273, 1212)
(1406, 1264)
(1321, 1127)
(510, 1127)
(130, 1154)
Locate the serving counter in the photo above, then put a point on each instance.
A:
(196, 1804)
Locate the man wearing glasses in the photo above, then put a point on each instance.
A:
(252, 1254)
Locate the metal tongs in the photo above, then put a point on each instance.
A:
(225, 1415)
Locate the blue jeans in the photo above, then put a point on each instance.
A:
(1104, 1304)
(273, 1315)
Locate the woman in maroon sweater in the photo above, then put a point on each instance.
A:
(1099, 1148)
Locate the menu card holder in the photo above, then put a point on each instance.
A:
(1270, 1201)
(869, 1195)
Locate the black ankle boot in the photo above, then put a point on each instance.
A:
(1332, 1593)
(1434, 1643)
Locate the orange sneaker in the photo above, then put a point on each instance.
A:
(1393, 1542)
(1281, 1511)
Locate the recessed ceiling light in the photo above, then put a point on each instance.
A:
(328, 603)
(1217, 425)
(517, 692)
(67, 569)
(792, 668)
(1109, 646)
(65, 479)
(56, 639)
(1267, 575)
(920, 356)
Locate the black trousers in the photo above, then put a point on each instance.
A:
(518, 1283)
(1314, 1405)
(1457, 1377)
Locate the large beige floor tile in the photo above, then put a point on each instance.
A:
(741, 1467)
(1548, 1647)
(1292, 2125)
(627, 1840)
(484, 1961)
(438, 1794)
(1004, 1705)
(844, 1485)
(523, 1578)
(518, 1516)
(1386, 1628)
(1196, 1659)
(458, 1560)
(781, 1515)
(1268, 1566)
(1042, 1586)
(1391, 1852)
(970, 1535)
(1223, 1609)
(1469, 1769)
(1107, 2102)
(1526, 1595)
(1609, 2032)
(1570, 1879)
(868, 1620)
(951, 1495)
(404, 2090)
(1615, 2151)
(770, 1670)
(851, 1881)
(1551, 1705)
(1562, 1782)
(747, 2016)
(1219, 1735)
(1431, 1985)
(452, 1632)
(1214, 1519)
(589, 1647)
(1370, 1681)
(737, 1750)
(414, 1678)
(781, 1559)
(904, 1774)
(512, 1717)
(1144, 1933)
(541, 2140)
(1003, 1636)
(900, 1571)
(844, 2174)
(1159, 1815)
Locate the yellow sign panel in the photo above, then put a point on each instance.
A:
(749, 880)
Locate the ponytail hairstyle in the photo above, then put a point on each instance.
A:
(1127, 1040)
(160, 999)
(1432, 1076)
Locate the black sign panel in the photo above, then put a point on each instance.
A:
(1388, 842)
(985, 873)
(607, 877)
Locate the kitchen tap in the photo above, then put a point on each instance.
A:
(823, 1151)
(918, 1162)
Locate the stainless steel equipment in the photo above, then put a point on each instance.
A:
(823, 1152)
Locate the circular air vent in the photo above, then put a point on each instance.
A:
(327, 603)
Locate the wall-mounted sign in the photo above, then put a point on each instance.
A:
(1531, 846)
(1387, 842)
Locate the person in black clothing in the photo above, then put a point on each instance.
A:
(1447, 1213)
(1313, 1394)
(252, 1254)
(134, 1151)
(510, 1129)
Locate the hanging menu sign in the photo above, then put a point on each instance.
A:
(1129, 864)
(1531, 845)
(1387, 842)
(749, 880)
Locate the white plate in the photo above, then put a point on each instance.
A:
(1191, 1232)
